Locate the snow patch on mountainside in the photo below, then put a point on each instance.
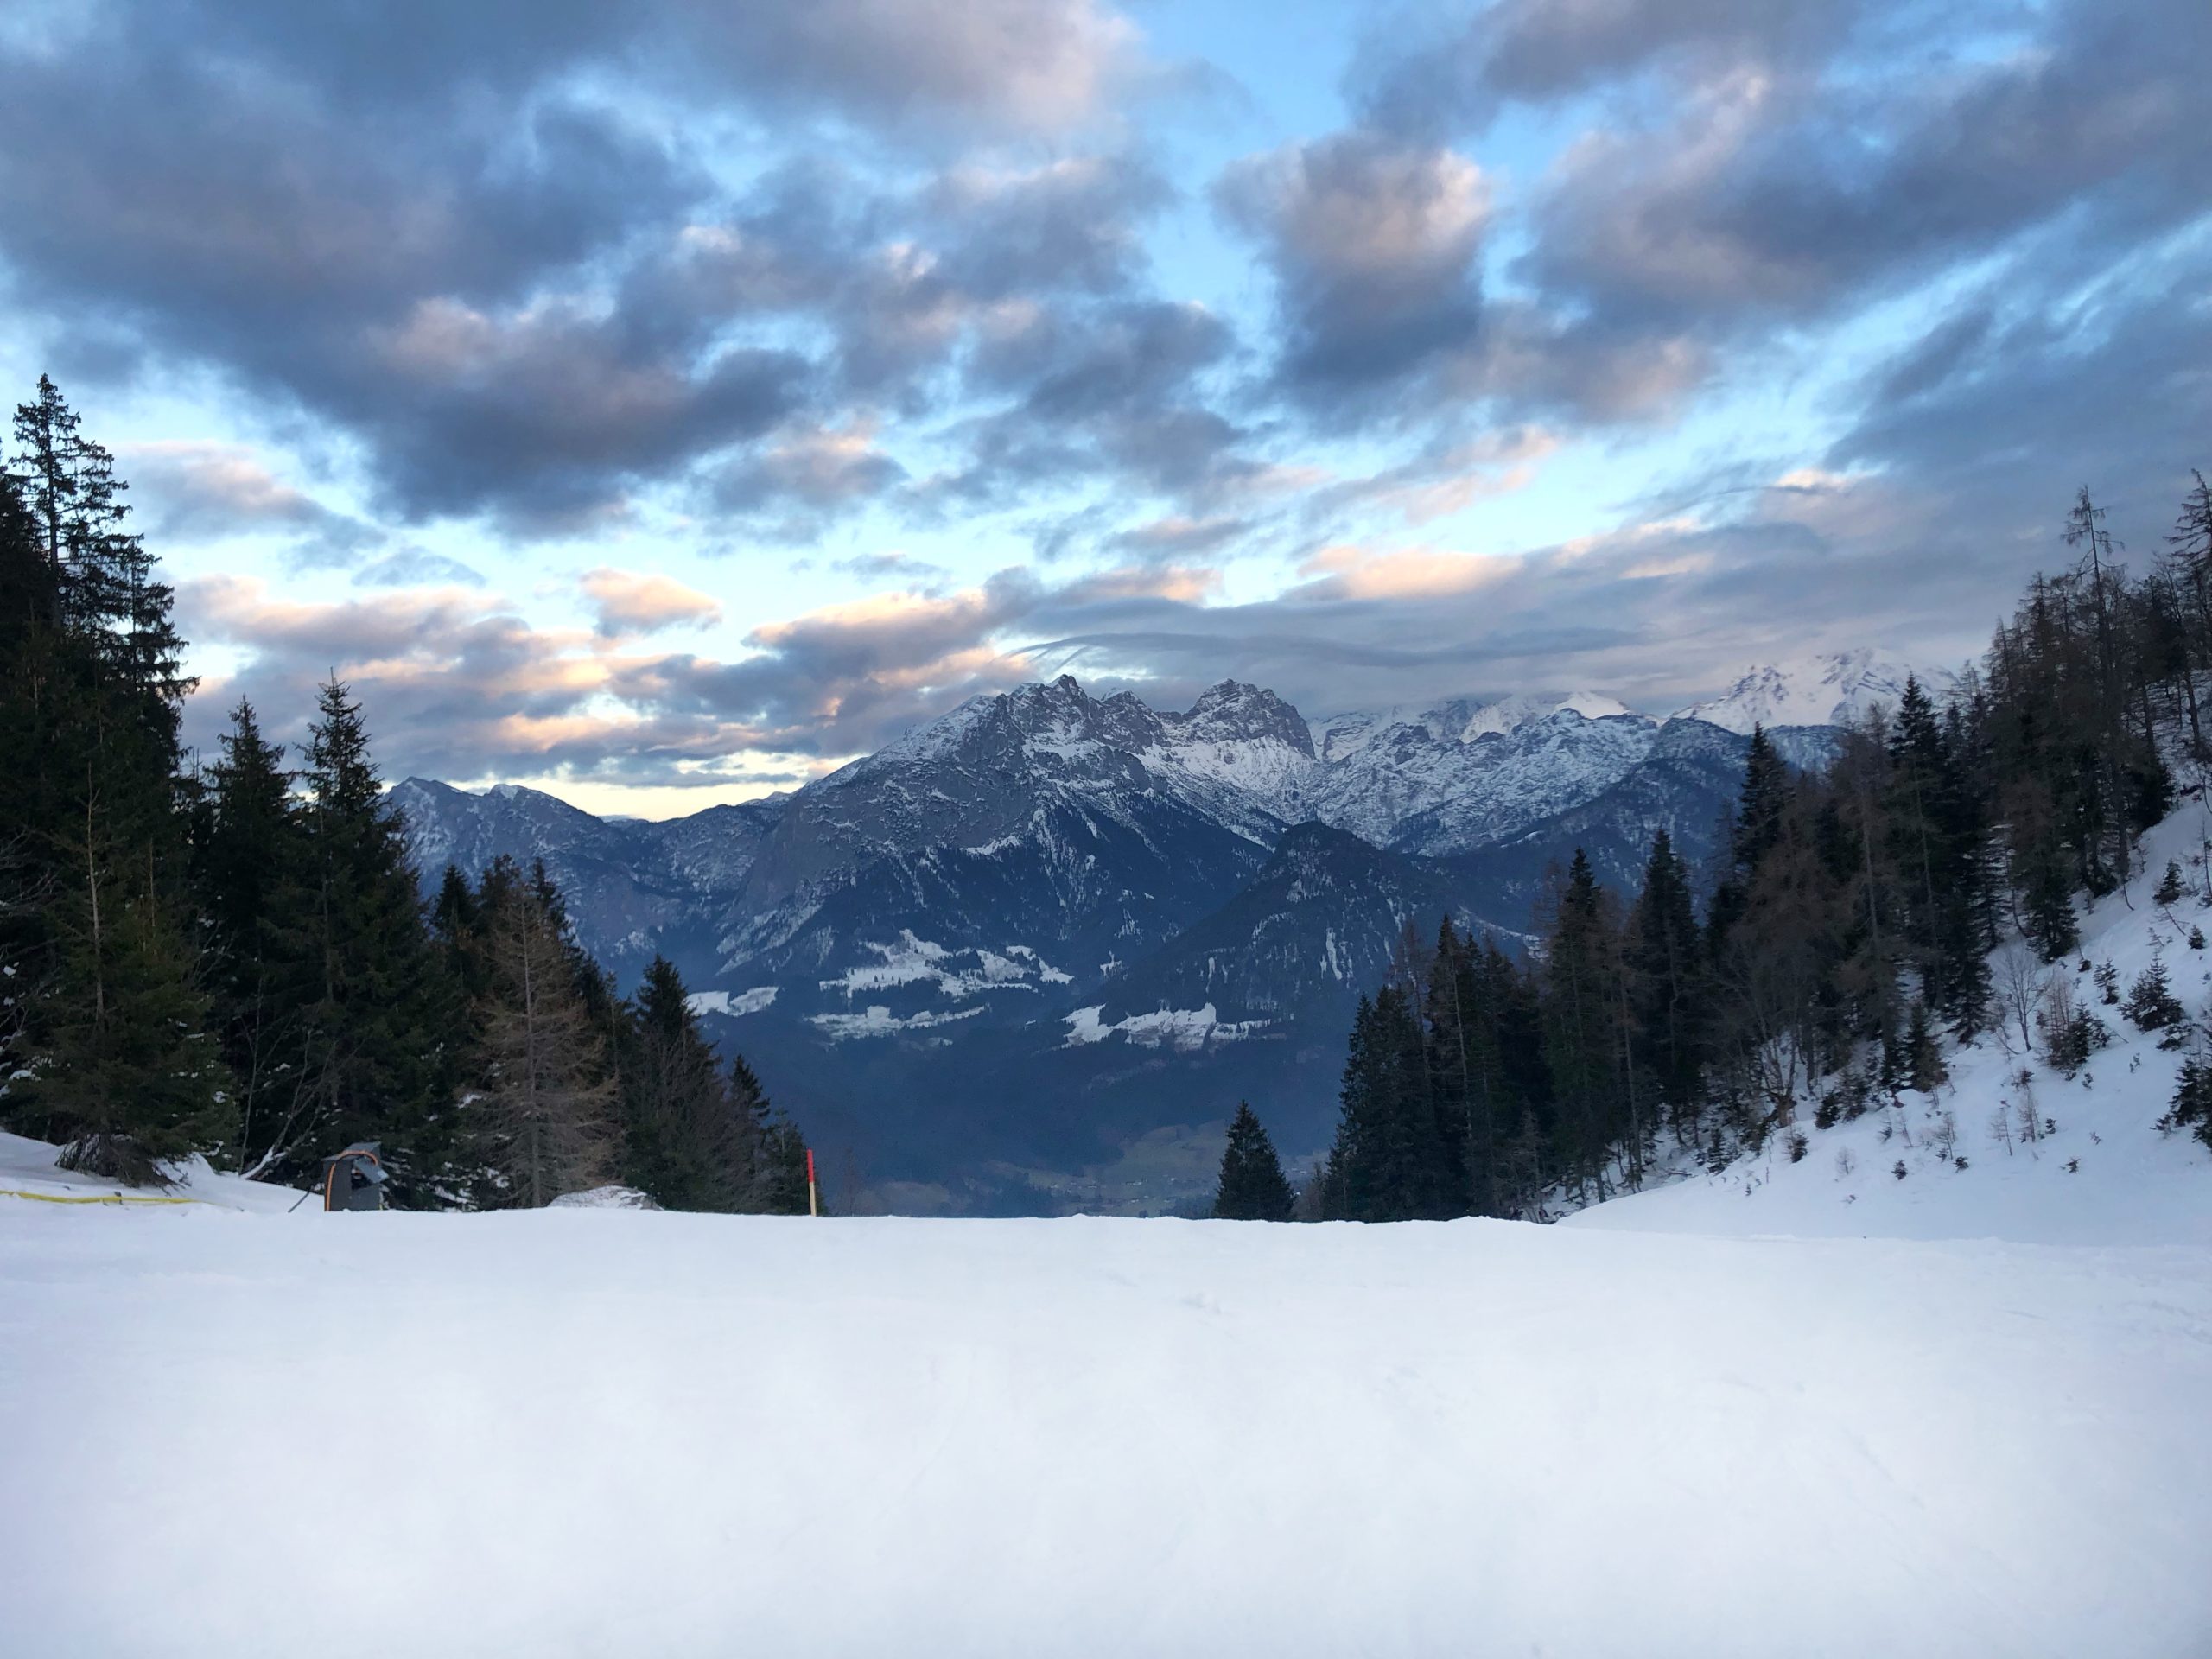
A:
(1046, 971)
(737, 1002)
(1181, 1029)
(877, 1020)
(910, 960)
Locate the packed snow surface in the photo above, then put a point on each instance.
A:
(601, 1432)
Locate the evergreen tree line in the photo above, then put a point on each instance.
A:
(1850, 919)
(234, 959)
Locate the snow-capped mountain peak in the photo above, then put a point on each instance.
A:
(1833, 688)
(1509, 715)
(1234, 712)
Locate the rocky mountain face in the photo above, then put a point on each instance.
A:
(1318, 924)
(1046, 928)
(634, 888)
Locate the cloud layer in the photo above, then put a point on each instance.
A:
(1565, 340)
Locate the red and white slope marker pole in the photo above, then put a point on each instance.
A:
(813, 1204)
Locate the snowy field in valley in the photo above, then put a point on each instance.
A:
(611, 1433)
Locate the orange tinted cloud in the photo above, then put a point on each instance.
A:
(1346, 571)
(628, 601)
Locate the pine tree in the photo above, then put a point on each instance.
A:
(2151, 1004)
(249, 859)
(105, 580)
(1923, 1065)
(93, 842)
(1664, 958)
(2170, 889)
(1455, 1063)
(543, 1110)
(361, 980)
(1586, 1040)
(780, 1159)
(2189, 581)
(2191, 1106)
(130, 1072)
(1252, 1185)
(1389, 1162)
(687, 1143)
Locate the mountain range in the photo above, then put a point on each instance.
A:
(1037, 948)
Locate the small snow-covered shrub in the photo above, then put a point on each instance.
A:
(2191, 1107)
(1797, 1145)
(2151, 1003)
(2170, 889)
(2070, 1032)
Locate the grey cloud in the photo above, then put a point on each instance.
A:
(1030, 64)
(414, 567)
(791, 487)
(201, 491)
(462, 690)
(1070, 224)
(1375, 245)
(1786, 199)
(415, 227)
(1803, 161)
(1107, 389)
(1025, 63)
(303, 255)
(1542, 50)
(2111, 394)
(894, 567)
(1180, 537)
(1372, 243)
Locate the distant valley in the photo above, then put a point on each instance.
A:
(1032, 951)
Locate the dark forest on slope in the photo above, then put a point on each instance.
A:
(1849, 924)
(234, 959)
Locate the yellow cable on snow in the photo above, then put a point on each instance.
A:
(96, 1198)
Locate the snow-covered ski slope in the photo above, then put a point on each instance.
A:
(612, 1433)
(1795, 1409)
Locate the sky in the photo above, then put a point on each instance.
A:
(661, 403)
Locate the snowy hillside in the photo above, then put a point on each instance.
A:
(608, 1431)
(2063, 1160)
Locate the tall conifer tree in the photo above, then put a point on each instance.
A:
(1252, 1185)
